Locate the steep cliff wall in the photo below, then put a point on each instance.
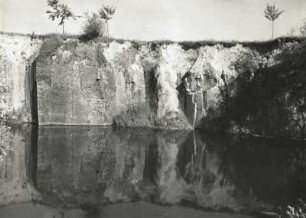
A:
(16, 56)
(149, 85)
(249, 88)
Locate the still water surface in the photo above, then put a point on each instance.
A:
(107, 172)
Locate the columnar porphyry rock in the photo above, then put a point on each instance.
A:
(16, 55)
(163, 85)
(126, 85)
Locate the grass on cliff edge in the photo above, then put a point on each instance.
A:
(261, 46)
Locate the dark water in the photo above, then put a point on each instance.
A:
(108, 172)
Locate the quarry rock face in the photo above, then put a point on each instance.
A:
(248, 88)
(94, 84)
(16, 56)
(125, 85)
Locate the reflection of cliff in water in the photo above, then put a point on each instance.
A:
(79, 166)
(18, 167)
(91, 166)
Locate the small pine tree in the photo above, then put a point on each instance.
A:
(303, 29)
(272, 13)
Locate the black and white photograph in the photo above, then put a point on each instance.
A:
(153, 109)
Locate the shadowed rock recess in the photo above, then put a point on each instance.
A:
(256, 88)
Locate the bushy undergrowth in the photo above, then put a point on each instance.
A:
(93, 27)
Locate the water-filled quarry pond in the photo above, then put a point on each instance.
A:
(93, 171)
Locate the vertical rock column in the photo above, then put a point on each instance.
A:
(16, 56)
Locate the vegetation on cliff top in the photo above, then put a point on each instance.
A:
(272, 13)
(60, 11)
(52, 41)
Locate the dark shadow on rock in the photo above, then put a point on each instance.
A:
(151, 88)
(268, 101)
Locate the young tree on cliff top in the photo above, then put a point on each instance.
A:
(60, 11)
(303, 29)
(272, 13)
(106, 13)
